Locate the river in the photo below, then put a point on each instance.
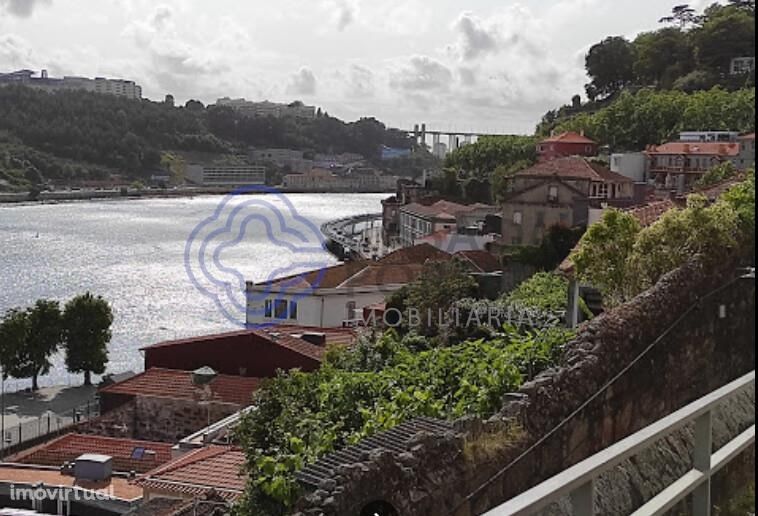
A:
(134, 254)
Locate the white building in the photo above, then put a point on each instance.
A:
(740, 65)
(336, 296)
(226, 175)
(263, 109)
(118, 87)
(630, 164)
(708, 136)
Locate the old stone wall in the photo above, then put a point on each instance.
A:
(704, 339)
(157, 419)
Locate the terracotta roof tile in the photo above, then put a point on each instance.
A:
(484, 261)
(749, 136)
(337, 336)
(385, 274)
(573, 167)
(568, 137)
(417, 254)
(696, 148)
(213, 467)
(118, 487)
(70, 446)
(175, 384)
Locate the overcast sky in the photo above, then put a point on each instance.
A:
(481, 65)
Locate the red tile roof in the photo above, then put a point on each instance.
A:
(695, 148)
(573, 167)
(417, 254)
(484, 261)
(196, 473)
(442, 209)
(386, 271)
(335, 336)
(749, 136)
(117, 487)
(648, 213)
(170, 383)
(568, 137)
(70, 446)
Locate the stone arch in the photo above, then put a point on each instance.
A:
(379, 508)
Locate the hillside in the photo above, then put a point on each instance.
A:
(80, 135)
(691, 52)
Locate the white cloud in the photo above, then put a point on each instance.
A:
(343, 12)
(360, 82)
(421, 73)
(302, 82)
(15, 52)
(21, 8)
(475, 36)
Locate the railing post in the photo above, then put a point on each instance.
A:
(583, 499)
(701, 496)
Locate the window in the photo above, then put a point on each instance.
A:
(350, 310)
(293, 310)
(563, 217)
(517, 218)
(552, 193)
(280, 309)
(267, 308)
(516, 240)
(540, 219)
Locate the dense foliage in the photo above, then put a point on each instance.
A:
(487, 153)
(433, 293)
(87, 323)
(301, 416)
(651, 117)
(621, 259)
(29, 337)
(93, 133)
(555, 246)
(692, 52)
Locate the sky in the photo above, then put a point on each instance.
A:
(481, 65)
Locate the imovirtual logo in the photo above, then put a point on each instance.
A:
(288, 257)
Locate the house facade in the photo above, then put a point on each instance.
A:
(566, 144)
(560, 191)
(335, 296)
(678, 165)
(417, 221)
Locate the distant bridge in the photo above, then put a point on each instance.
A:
(420, 132)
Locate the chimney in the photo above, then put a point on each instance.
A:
(581, 132)
(44, 74)
(552, 132)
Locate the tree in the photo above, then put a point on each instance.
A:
(662, 56)
(602, 259)
(555, 246)
(610, 65)
(728, 33)
(489, 152)
(28, 339)
(437, 288)
(677, 236)
(86, 321)
(682, 15)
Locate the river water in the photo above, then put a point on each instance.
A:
(136, 255)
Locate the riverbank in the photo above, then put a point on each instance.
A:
(99, 195)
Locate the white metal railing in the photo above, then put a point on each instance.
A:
(578, 481)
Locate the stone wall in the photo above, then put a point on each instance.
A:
(157, 419)
(701, 352)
